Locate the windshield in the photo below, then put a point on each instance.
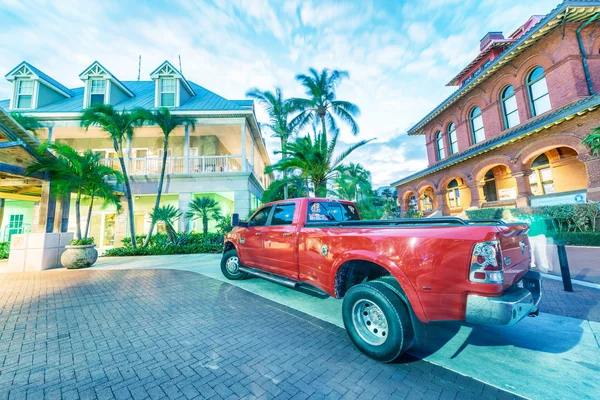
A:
(319, 211)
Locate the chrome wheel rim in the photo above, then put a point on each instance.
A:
(369, 322)
(232, 265)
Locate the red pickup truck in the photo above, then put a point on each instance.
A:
(390, 273)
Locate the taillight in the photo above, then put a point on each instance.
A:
(486, 263)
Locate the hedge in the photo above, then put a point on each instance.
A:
(184, 243)
(577, 238)
(4, 250)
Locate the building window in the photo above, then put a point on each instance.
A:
(412, 202)
(24, 94)
(477, 125)
(439, 145)
(489, 186)
(14, 227)
(541, 180)
(454, 194)
(97, 91)
(167, 92)
(538, 92)
(452, 138)
(509, 107)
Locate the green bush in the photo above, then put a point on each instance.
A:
(413, 214)
(578, 238)
(82, 242)
(486, 213)
(183, 243)
(4, 250)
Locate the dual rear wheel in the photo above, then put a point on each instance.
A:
(377, 320)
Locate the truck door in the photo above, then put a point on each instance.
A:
(280, 242)
(251, 241)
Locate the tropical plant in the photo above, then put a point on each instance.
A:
(119, 126)
(167, 123)
(296, 188)
(223, 224)
(82, 174)
(314, 160)
(205, 208)
(353, 181)
(168, 215)
(97, 187)
(28, 123)
(322, 103)
(279, 111)
(592, 141)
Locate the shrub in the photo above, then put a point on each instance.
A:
(4, 250)
(577, 238)
(82, 242)
(413, 214)
(159, 244)
(486, 213)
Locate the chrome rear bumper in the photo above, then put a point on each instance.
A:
(518, 301)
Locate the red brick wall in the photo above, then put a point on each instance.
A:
(561, 60)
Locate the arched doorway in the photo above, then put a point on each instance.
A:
(410, 202)
(557, 171)
(499, 185)
(427, 198)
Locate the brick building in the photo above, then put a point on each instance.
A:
(511, 134)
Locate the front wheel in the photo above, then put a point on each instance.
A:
(376, 320)
(230, 266)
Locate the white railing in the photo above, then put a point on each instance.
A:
(207, 164)
(176, 165)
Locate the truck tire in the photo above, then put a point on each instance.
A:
(376, 321)
(230, 264)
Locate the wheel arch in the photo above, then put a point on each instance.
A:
(343, 276)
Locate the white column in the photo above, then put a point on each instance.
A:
(186, 149)
(184, 221)
(241, 203)
(128, 154)
(50, 138)
(244, 163)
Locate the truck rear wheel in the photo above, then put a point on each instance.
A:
(376, 320)
(230, 266)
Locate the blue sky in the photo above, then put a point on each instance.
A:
(400, 54)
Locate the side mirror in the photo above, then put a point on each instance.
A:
(235, 221)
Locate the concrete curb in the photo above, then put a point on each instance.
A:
(576, 282)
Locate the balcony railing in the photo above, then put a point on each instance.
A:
(177, 165)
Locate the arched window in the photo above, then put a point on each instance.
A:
(538, 91)
(439, 145)
(509, 107)
(454, 194)
(412, 202)
(453, 139)
(489, 187)
(541, 179)
(477, 125)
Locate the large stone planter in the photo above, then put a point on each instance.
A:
(75, 257)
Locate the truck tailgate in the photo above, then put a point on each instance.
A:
(516, 252)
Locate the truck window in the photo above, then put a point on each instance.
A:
(319, 211)
(261, 216)
(283, 214)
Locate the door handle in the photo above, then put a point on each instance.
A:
(257, 234)
(287, 234)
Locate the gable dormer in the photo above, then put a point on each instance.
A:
(33, 89)
(171, 89)
(100, 86)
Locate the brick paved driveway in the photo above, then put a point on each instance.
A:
(176, 334)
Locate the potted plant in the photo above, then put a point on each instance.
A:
(84, 175)
(81, 253)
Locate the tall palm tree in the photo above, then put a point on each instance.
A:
(322, 103)
(353, 181)
(167, 123)
(168, 215)
(294, 183)
(315, 160)
(205, 208)
(279, 110)
(97, 187)
(78, 173)
(119, 125)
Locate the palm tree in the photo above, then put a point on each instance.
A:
(322, 103)
(119, 125)
(294, 183)
(97, 187)
(314, 160)
(205, 208)
(28, 123)
(279, 110)
(79, 173)
(167, 123)
(168, 215)
(592, 141)
(354, 180)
